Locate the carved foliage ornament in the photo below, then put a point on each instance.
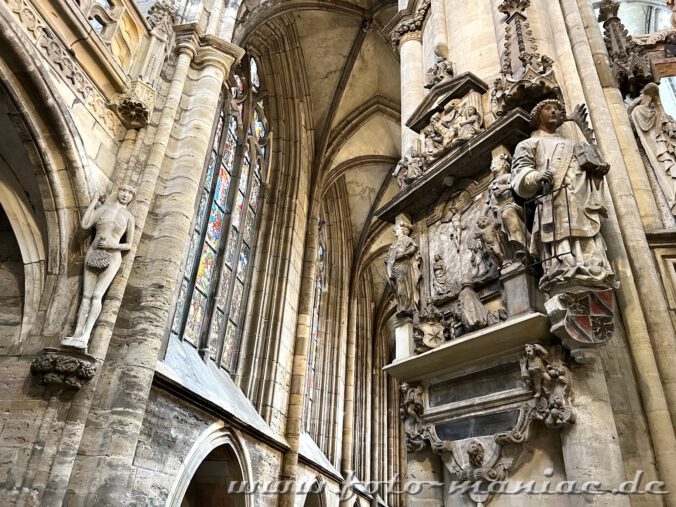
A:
(58, 366)
(412, 24)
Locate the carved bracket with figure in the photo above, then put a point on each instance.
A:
(64, 366)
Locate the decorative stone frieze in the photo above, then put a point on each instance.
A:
(28, 17)
(63, 366)
(628, 61)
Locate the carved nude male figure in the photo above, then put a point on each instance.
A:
(113, 221)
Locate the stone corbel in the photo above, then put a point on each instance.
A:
(134, 107)
(65, 366)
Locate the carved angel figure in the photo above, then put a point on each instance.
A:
(442, 70)
(657, 132)
(534, 368)
(113, 221)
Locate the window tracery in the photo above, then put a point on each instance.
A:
(212, 299)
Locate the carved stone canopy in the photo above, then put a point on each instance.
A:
(629, 63)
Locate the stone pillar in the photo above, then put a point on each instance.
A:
(591, 446)
(403, 338)
(650, 332)
(438, 26)
(104, 466)
(412, 85)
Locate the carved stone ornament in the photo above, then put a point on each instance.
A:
(431, 329)
(460, 121)
(62, 366)
(656, 131)
(411, 167)
(410, 411)
(582, 319)
(403, 270)
(526, 76)
(441, 71)
(134, 107)
(161, 15)
(411, 24)
(509, 214)
(549, 378)
(113, 222)
(628, 61)
(563, 181)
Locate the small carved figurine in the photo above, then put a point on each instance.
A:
(434, 139)
(475, 453)
(403, 270)
(440, 281)
(409, 168)
(534, 371)
(453, 217)
(103, 259)
(442, 70)
(510, 214)
(473, 312)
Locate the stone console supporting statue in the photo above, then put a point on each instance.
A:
(113, 221)
(566, 230)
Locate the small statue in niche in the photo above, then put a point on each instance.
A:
(510, 214)
(441, 71)
(113, 221)
(472, 311)
(403, 270)
(566, 231)
(496, 102)
(440, 280)
(486, 251)
(657, 133)
(409, 168)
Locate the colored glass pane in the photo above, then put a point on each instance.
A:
(237, 210)
(237, 294)
(219, 131)
(229, 347)
(253, 67)
(216, 324)
(223, 287)
(249, 225)
(230, 248)
(180, 306)
(205, 269)
(193, 324)
(229, 151)
(215, 226)
(210, 170)
(202, 210)
(222, 186)
(193, 250)
(259, 127)
(244, 175)
(255, 191)
(243, 261)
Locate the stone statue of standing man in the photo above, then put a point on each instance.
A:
(566, 231)
(113, 222)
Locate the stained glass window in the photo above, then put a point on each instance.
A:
(217, 275)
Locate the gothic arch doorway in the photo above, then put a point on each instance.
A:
(217, 464)
(314, 497)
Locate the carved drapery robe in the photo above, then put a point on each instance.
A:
(657, 133)
(403, 273)
(563, 223)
